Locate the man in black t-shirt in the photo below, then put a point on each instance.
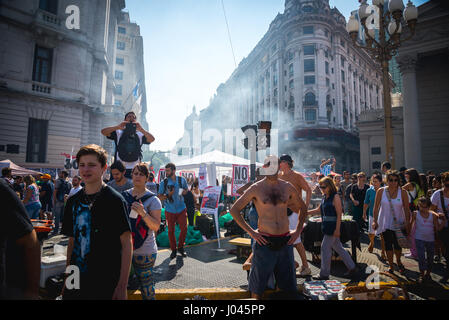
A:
(100, 242)
(20, 267)
(357, 195)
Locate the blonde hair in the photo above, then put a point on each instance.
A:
(29, 179)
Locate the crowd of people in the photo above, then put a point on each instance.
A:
(112, 225)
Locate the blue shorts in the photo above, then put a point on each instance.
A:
(265, 262)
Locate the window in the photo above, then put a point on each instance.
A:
(118, 89)
(309, 50)
(275, 80)
(310, 114)
(119, 75)
(376, 150)
(49, 6)
(343, 88)
(307, 30)
(309, 65)
(118, 102)
(342, 43)
(120, 61)
(37, 140)
(326, 66)
(309, 80)
(290, 70)
(376, 165)
(43, 58)
(291, 55)
(342, 62)
(326, 53)
(328, 82)
(343, 76)
(121, 45)
(274, 47)
(326, 33)
(345, 121)
(291, 84)
(307, 9)
(275, 93)
(309, 99)
(121, 30)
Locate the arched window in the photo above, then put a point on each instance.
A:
(310, 99)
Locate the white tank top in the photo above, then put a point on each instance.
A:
(424, 228)
(385, 219)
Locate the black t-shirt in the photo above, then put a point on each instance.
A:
(97, 247)
(47, 199)
(359, 194)
(14, 225)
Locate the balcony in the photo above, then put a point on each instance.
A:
(41, 88)
(48, 23)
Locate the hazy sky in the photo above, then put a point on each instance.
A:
(188, 53)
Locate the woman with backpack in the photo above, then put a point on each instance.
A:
(145, 218)
(415, 191)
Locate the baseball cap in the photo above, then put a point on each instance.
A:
(286, 157)
(46, 176)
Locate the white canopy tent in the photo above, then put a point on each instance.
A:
(218, 163)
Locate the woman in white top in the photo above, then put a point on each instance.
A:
(144, 257)
(427, 225)
(383, 216)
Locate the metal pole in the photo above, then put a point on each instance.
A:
(384, 60)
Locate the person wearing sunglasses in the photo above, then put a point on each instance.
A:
(384, 214)
(331, 212)
(440, 204)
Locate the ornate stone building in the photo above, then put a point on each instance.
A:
(306, 77)
(56, 83)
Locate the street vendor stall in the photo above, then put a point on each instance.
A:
(313, 235)
(18, 170)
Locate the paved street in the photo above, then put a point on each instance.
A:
(208, 269)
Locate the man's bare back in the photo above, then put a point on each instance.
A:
(298, 181)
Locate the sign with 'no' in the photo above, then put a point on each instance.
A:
(240, 177)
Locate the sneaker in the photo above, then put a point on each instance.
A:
(173, 254)
(181, 251)
(319, 277)
(352, 273)
(305, 271)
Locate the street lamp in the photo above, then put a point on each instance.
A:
(385, 47)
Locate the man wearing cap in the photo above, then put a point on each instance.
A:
(46, 193)
(298, 181)
(273, 249)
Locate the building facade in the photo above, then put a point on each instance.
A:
(424, 64)
(56, 78)
(307, 78)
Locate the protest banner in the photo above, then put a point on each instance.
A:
(240, 177)
(209, 205)
(188, 175)
(202, 179)
(161, 175)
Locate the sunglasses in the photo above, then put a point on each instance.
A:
(393, 180)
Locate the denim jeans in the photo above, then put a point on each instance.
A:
(33, 210)
(58, 213)
(423, 248)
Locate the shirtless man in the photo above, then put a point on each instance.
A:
(273, 250)
(298, 181)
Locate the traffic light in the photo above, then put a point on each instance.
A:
(245, 141)
(264, 140)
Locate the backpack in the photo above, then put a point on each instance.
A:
(139, 228)
(129, 147)
(63, 190)
(166, 183)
